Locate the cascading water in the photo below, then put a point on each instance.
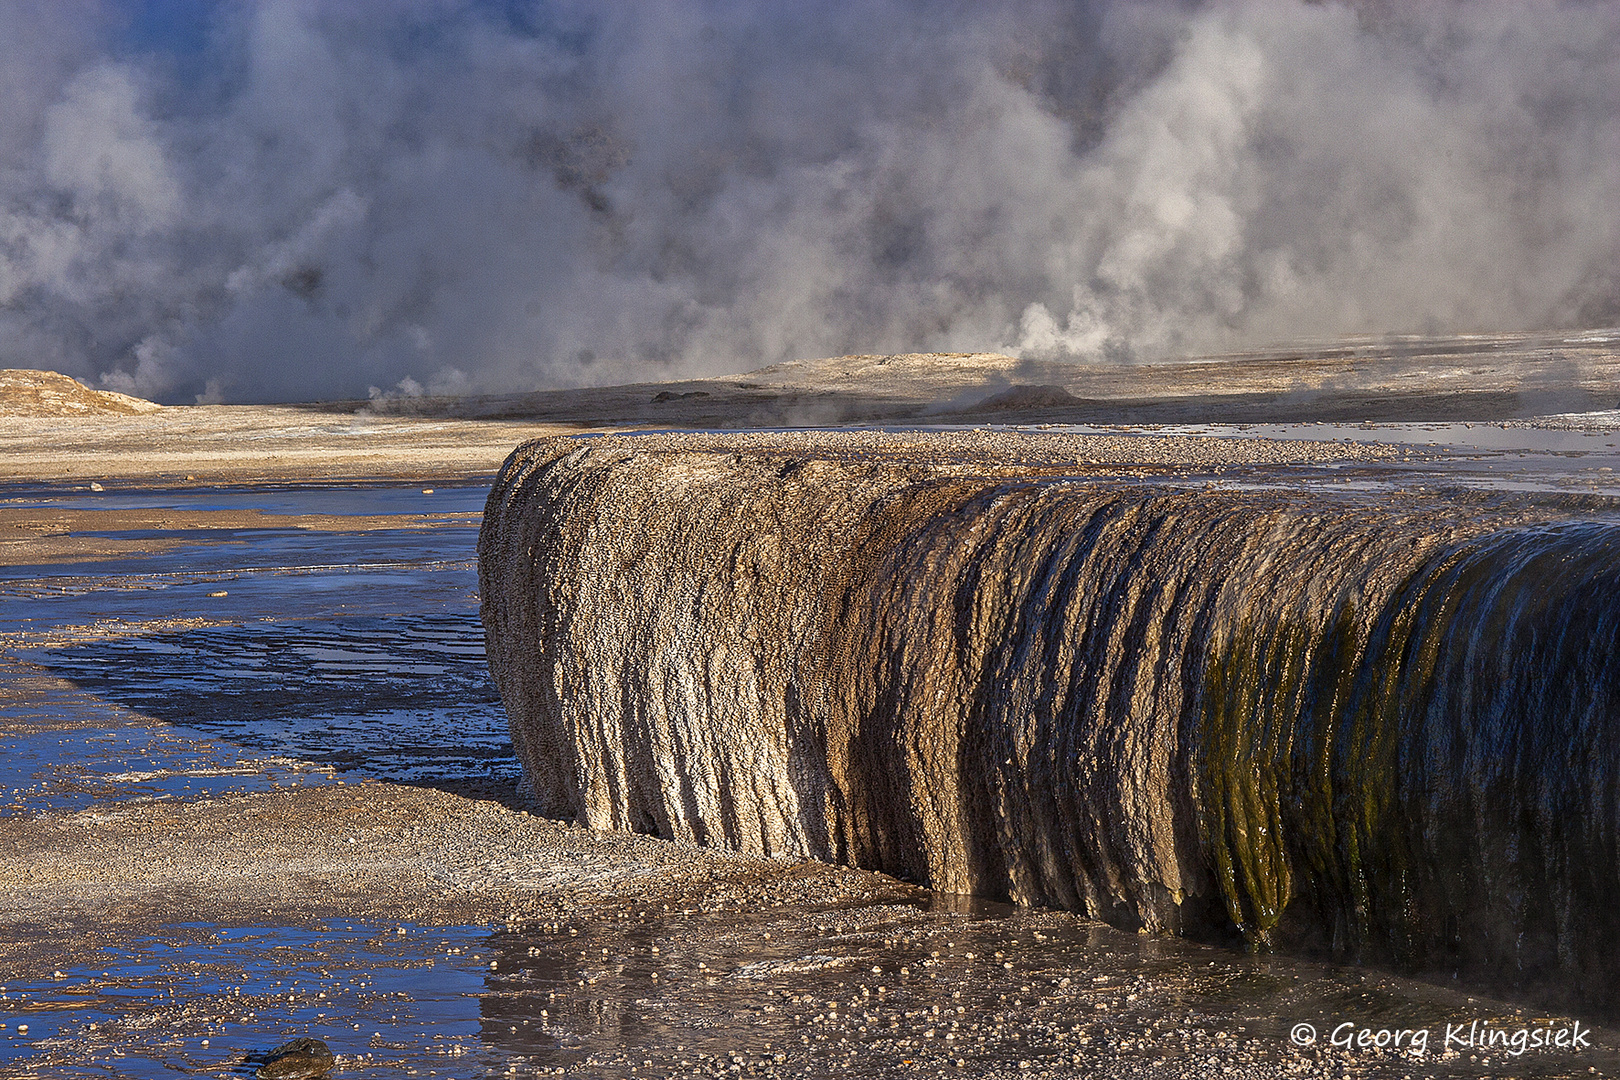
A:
(1385, 730)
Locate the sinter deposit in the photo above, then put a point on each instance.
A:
(25, 392)
(1382, 728)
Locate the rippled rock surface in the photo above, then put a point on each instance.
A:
(24, 392)
(1385, 729)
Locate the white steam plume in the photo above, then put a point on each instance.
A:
(448, 196)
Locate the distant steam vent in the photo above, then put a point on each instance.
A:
(1385, 730)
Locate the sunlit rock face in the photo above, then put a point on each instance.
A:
(1386, 729)
(25, 392)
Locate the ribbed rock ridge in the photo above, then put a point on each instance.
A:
(1390, 730)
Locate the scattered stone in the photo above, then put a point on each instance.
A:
(296, 1060)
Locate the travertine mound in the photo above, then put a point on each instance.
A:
(1387, 730)
(47, 393)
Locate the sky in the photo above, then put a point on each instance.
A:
(282, 200)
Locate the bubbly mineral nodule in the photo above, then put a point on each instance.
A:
(1382, 728)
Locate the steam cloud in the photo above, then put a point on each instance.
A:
(313, 199)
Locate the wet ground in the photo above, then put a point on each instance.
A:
(317, 650)
(1572, 453)
(241, 663)
(878, 991)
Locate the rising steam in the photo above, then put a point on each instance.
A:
(311, 199)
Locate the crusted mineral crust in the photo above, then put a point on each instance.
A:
(961, 659)
(47, 393)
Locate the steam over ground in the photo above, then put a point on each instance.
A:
(250, 201)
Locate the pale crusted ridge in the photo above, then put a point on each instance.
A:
(46, 393)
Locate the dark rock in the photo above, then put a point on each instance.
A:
(296, 1060)
(1019, 397)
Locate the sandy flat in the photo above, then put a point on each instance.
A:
(250, 443)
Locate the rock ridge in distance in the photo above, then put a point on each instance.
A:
(25, 392)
